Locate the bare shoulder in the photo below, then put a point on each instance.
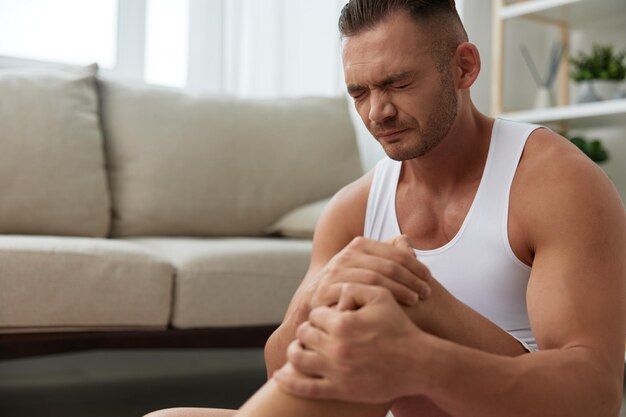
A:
(575, 225)
(343, 218)
(557, 187)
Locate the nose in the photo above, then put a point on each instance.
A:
(381, 107)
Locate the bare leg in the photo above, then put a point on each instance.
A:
(191, 412)
(455, 322)
(271, 401)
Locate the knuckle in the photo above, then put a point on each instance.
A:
(348, 288)
(357, 242)
(296, 357)
(370, 278)
(399, 257)
(343, 351)
(344, 324)
(385, 293)
(346, 256)
(336, 326)
(333, 270)
(390, 269)
(301, 330)
(315, 314)
(292, 352)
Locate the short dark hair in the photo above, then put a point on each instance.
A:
(361, 15)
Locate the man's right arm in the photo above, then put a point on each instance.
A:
(341, 221)
(340, 256)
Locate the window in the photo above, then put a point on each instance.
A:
(166, 42)
(70, 31)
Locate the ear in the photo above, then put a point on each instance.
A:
(467, 64)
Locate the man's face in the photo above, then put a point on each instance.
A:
(405, 101)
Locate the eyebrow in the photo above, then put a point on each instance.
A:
(384, 83)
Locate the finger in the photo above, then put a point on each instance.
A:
(363, 295)
(300, 385)
(306, 361)
(322, 317)
(392, 253)
(402, 242)
(347, 303)
(401, 293)
(328, 295)
(389, 273)
(310, 336)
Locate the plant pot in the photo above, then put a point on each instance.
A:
(607, 89)
(599, 90)
(587, 93)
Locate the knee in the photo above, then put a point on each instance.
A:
(191, 412)
(160, 413)
(170, 412)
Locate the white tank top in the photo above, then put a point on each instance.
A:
(478, 265)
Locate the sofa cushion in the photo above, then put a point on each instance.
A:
(68, 283)
(300, 222)
(199, 166)
(232, 282)
(52, 177)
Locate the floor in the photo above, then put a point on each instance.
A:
(128, 383)
(131, 383)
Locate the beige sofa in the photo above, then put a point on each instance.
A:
(134, 216)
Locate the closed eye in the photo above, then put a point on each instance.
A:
(356, 93)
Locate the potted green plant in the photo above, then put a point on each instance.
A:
(600, 72)
(593, 148)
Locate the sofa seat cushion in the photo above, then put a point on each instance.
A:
(52, 176)
(69, 283)
(232, 281)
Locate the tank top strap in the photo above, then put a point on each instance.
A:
(492, 206)
(379, 224)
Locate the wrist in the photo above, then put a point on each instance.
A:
(424, 364)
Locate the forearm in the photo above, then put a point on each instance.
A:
(466, 382)
(271, 401)
(446, 317)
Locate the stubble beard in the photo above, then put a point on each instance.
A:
(425, 138)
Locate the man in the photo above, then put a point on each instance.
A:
(409, 75)
(520, 244)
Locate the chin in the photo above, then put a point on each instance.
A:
(398, 153)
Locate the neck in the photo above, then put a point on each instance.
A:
(459, 158)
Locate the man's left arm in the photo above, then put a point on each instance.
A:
(576, 304)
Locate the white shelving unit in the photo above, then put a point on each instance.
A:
(529, 7)
(566, 15)
(588, 115)
(571, 12)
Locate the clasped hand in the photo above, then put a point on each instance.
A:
(391, 265)
(357, 341)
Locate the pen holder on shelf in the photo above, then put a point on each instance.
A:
(544, 97)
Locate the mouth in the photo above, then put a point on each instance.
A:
(388, 135)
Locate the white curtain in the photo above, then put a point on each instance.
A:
(264, 49)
